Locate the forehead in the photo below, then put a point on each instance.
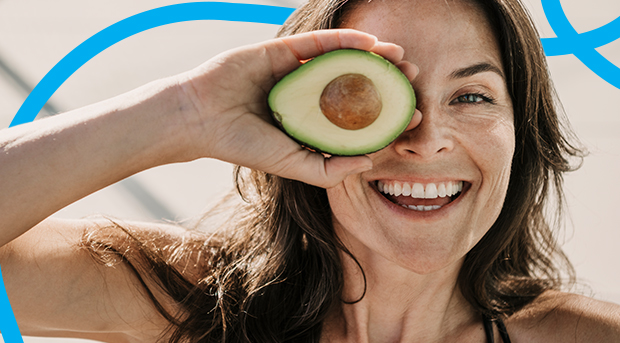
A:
(456, 32)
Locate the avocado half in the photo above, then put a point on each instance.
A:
(345, 102)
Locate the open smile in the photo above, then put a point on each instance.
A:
(421, 197)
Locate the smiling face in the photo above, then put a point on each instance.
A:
(464, 143)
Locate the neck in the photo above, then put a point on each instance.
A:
(399, 305)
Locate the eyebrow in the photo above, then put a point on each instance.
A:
(475, 69)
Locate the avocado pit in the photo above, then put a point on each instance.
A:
(351, 101)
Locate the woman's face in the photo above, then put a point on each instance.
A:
(466, 136)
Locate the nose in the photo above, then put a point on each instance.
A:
(426, 140)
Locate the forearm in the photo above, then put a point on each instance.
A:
(216, 110)
(51, 163)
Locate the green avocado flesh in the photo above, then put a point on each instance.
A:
(295, 102)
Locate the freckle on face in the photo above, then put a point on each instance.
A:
(466, 142)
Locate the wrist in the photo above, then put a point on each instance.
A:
(167, 122)
(187, 121)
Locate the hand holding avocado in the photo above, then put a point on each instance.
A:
(229, 95)
(217, 110)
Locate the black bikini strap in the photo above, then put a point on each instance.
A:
(488, 329)
(502, 331)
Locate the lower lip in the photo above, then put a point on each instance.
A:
(440, 212)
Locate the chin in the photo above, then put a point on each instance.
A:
(428, 258)
(420, 255)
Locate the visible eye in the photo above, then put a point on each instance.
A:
(473, 98)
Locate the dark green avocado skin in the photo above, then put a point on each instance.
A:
(277, 117)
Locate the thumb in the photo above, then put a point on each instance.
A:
(337, 168)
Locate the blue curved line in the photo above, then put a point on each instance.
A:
(8, 325)
(600, 66)
(136, 24)
(557, 19)
(586, 54)
(586, 40)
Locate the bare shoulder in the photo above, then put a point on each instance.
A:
(57, 287)
(565, 317)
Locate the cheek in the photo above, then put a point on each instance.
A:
(336, 197)
(498, 144)
(489, 138)
(340, 203)
(356, 221)
(347, 201)
(496, 152)
(493, 146)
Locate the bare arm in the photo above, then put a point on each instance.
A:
(57, 290)
(51, 163)
(217, 110)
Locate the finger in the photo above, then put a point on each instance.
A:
(311, 44)
(326, 172)
(264, 147)
(415, 120)
(409, 69)
(392, 52)
(337, 168)
(287, 52)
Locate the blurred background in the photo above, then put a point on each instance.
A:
(36, 34)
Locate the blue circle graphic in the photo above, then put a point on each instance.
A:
(583, 45)
(8, 325)
(136, 24)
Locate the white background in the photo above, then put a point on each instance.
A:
(35, 35)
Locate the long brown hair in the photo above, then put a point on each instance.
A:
(273, 273)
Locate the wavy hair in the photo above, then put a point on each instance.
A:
(273, 273)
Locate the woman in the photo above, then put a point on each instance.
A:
(339, 261)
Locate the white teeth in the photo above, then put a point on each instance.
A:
(398, 190)
(452, 188)
(441, 190)
(431, 191)
(422, 207)
(456, 187)
(417, 190)
(406, 189)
